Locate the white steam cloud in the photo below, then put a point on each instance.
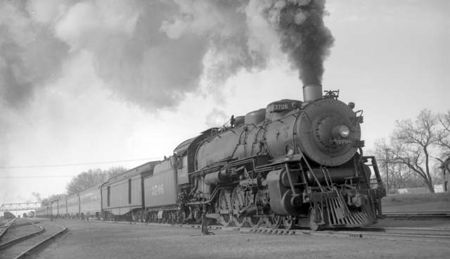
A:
(150, 53)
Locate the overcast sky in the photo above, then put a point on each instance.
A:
(95, 81)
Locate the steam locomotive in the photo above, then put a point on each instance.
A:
(291, 163)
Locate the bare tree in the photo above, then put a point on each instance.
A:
(48, 200)
(444, 134)
(113, 171)
(413, 142)
(37, 196)
(395, 175)
(91, 178)
(444, 145)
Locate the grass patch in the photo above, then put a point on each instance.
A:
(413, 198)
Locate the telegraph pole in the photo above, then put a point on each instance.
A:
(446, 173)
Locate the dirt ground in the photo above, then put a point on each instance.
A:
(103, 240)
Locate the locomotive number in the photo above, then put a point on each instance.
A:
(280, 107)
(157, 189)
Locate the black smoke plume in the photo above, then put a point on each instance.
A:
(303, 35)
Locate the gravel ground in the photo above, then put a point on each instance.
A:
(103, 240)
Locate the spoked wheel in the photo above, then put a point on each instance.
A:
(181, 217)
(195, 215)
(138, 216)
(133, 216)
(253, 221)
(270, 221)
(142, 216)
(240, 199)
(288, 222)
(276, 221)
(171, 217)
(223, 208)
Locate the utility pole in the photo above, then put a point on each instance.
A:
(445, 167)
(446, 172)
(386, 161)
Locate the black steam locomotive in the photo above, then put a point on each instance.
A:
(281, 165)
(292, 163)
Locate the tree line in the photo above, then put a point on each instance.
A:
(416, 152)
(85, 180)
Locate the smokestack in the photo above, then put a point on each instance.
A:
(312, 92)
(305, 38)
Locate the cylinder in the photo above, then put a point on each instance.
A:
(338, 175)
(312, 92)
(212, 178)
(217, 177)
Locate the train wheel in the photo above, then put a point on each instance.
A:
(196, 215)
(173, 217)
(135, 215)
(223, 208)
(253, 221)
(289, 222)
(238, 202)
(270, 221)
(153, 217)
(275, 221)
(181, 217)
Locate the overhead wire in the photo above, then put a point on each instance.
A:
(76, 164)
(62, 165)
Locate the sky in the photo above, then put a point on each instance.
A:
(95, 84)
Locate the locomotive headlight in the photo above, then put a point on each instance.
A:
(343, 131)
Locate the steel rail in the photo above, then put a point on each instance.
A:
(431, 234)
(423, 214)
(21, 238)
(405, 233)
(41, 243)
(6, 226)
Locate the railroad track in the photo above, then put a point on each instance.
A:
(394, 233)
(422, 234)
(24, 242)
(423, 215)
(5, 226)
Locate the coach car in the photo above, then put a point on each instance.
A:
(89, 202)
(122, 195)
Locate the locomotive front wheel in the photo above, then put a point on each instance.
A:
(270, 221)
(289, 222)
(224, 209)
(276, 221)
(238, 202)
